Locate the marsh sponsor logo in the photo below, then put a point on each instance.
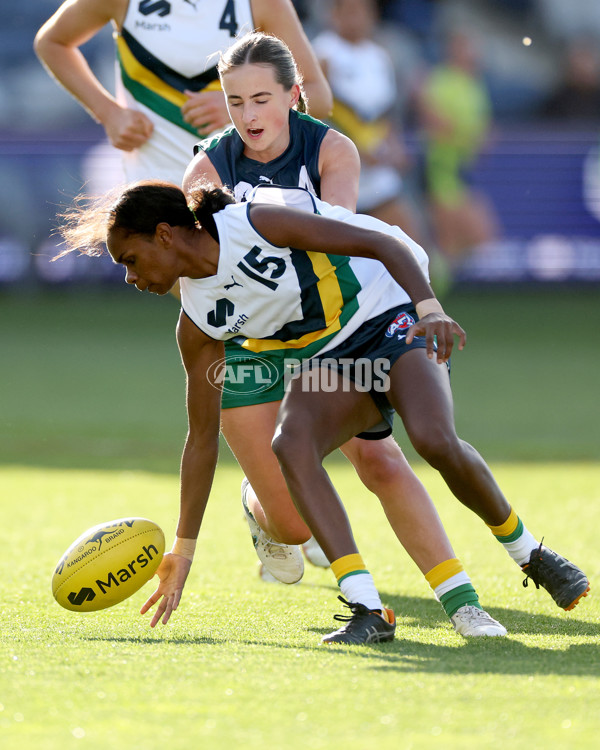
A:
(235, 328)
(122, 575)
(160, 7)
(242, 374)
(224, 308)
(114, 578)
(156, 8)
(85, 594)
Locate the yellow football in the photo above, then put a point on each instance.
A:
(107, 564)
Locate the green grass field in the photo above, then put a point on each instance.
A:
(92, 424)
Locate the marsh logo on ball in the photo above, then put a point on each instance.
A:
(113, 577)
(108, 563)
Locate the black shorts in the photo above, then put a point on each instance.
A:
(380, 341)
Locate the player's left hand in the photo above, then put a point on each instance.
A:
(438, 327)
(173, 572)
(206, 111)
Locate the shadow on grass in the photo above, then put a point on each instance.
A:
(466, 656)
(470, 656)
(423, 612)
(481, 656)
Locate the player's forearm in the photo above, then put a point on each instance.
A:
(69, 68)
(320, 102)
(405, 269)
(197, 471)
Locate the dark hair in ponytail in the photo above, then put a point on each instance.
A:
(265, 49)
(137, 209)
(205, 200)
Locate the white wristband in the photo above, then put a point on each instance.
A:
(184, 547)
(426, 306)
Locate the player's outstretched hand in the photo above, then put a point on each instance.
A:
(206, 111)
(437, 326)
(173, 572)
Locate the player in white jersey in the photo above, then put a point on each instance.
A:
(365, 94)
(150, 229)
(168, 90)
(333, 297)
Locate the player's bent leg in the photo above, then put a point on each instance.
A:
(310, 426)
(268, 498)
(282, 562)
(275, 525)
(420, 393)
(384, 470)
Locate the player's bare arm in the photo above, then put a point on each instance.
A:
(339, 167)
(285, 227)
(198, 353)
(200, 168)
(57, 45)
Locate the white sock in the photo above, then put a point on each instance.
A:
(360, 588)
(520, 550)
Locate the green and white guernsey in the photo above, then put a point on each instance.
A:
(165, 48)
(268, 298)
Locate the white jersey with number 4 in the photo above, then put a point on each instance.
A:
(165, 48)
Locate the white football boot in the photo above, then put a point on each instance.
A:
(283, 561)
(472, 621)
(314, 554)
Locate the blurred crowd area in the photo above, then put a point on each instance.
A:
(490, 111)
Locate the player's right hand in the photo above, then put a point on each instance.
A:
(206, 111)
(128, 129)
(173, 572)
(438, 329)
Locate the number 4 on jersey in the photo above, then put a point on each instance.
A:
(228, 19)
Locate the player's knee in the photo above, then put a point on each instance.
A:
(289, 442)
(290, 530)
(378, 462)
(435, 444)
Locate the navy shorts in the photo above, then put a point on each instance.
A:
(380, 341)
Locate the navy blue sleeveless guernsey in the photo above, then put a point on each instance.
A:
(298, 166)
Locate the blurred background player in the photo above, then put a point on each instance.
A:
(454, 112)
(167, 86)
(576, 98)
(365, 93)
